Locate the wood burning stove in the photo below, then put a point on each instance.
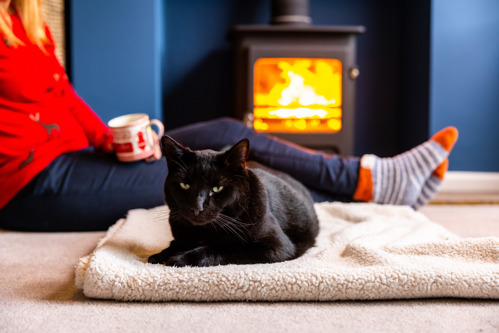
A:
(296, 81)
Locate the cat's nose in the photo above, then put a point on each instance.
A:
(199, 204)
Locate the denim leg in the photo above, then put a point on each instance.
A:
(88, 190)
(85, 190)
(329, 176)
(213, 134)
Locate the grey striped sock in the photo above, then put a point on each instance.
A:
(430, 188)
(399, 180)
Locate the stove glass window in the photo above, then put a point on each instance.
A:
(297, 95)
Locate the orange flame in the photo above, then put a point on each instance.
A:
(297, 95)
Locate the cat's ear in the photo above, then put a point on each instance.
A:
(238, 155)
(171, 149)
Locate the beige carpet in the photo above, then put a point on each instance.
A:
(37, 294)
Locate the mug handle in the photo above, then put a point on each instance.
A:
(160, 126)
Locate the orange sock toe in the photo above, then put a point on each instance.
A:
(441, 169)
(446, 137)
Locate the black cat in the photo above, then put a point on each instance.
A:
(224, 211)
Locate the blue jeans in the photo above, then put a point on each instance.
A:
(90, 190)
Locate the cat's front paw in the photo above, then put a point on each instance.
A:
(200, 257)
(157, 258)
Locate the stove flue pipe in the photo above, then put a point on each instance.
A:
(290, 12)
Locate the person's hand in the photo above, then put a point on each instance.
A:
(157, 150)
(108, 147)
(107, 144)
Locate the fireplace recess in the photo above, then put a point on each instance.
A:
(262, 51)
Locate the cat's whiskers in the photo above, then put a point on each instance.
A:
(214, 224)
(174, 214)
(230, 229)
(237, 221)
(243, 208)
(232, 225)
(161, 215)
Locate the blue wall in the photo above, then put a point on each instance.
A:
(116, 49)
(465, 79)
(173, 60)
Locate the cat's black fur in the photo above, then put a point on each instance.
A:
(259, 216)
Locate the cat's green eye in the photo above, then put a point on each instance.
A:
(217, 189)
(185, 186)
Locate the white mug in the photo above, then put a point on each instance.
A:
(133, 137)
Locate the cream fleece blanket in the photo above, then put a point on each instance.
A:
(363, 251)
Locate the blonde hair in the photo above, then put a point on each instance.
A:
(30, 13)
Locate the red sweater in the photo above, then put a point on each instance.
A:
(41, 117)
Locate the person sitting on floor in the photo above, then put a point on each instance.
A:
(57, 170)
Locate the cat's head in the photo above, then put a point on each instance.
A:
(202, 186)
